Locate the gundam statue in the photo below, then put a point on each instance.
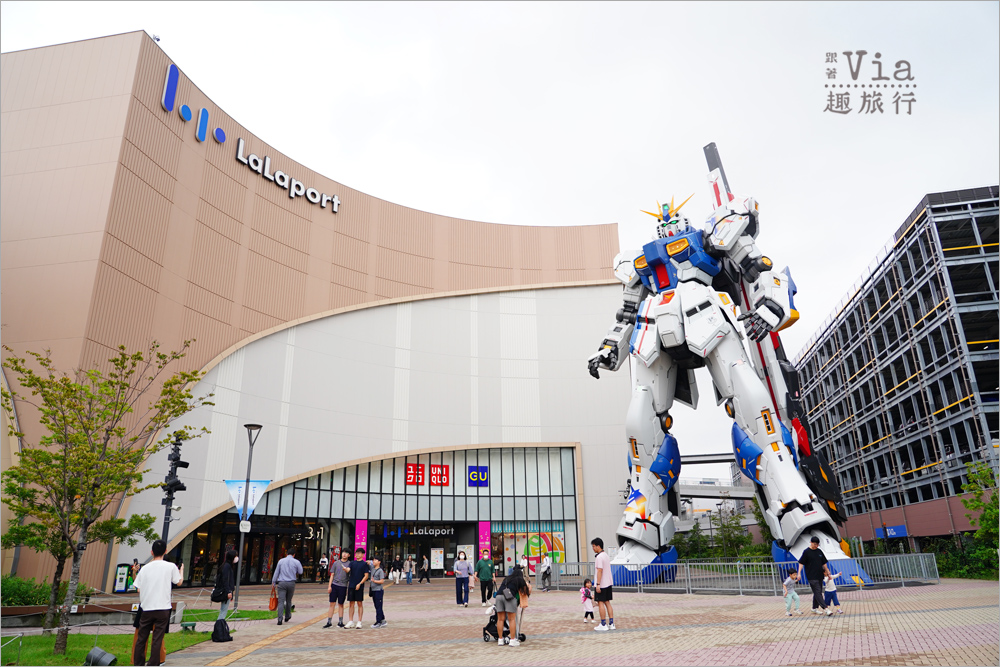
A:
(689, 296)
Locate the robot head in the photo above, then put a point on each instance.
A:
(670, 222)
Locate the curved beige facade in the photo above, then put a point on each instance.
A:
(119, 226)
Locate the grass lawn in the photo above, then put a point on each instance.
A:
(210, 615)
(37, 650)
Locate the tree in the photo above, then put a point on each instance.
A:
(697, 543)
(983, 512)
(680, 543)
(765, 530)
(98, 436)
(43, 538)
(729, 532)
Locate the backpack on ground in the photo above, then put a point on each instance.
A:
(221, 631)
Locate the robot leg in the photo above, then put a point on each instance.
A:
(765, 454)
(647, 525)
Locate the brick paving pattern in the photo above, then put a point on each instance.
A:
(952, 623)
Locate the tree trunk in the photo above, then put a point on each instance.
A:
(62, 637)
(54, 595)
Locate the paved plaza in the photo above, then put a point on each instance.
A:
(955, 622)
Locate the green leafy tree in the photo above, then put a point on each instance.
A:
(765, 530)
(99, 429)
(983, 505)
(38, 536)
(679, 541)
(730, 535)
(697, 542)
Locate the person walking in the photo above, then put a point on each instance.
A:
(340, 576)
(396, 570)
(360, 573)
(512, 596)
(154, 583)
(788, 588)
(408, 565)
(603, 593)
(463, 568)
(286, 573)
(813, 562)
(324, 563)
(546, 572)
(484, 573)
(587, 598)
(830, 598)
(226, 583)
(376, 592)
(425, 570)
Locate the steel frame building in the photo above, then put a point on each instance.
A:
(900, 383)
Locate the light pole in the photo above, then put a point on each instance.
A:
(253, 430)
(725, 552)
(711, 540)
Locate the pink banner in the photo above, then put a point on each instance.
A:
(361, 534)
(484, 537)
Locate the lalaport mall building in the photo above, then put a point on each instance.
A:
(421, 380)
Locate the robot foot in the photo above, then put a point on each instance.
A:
(633, 553)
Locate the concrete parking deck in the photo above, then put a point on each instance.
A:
(953, 623)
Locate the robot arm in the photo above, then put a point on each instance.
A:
(615, 346)
(732, 230)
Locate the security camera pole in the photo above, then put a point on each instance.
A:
(253, 430)
(172, 483)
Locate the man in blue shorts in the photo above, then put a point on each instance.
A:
(340, 574)
(360, 573)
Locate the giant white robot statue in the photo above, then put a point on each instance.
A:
(689, 296)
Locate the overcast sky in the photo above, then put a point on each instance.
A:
(565, 113)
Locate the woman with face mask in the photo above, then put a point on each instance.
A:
(463, 568)
(227, 581)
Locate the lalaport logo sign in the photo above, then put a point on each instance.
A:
(294, 186)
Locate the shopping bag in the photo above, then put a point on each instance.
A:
(273, 602)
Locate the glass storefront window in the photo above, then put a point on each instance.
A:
(506, 473)
(350, 478)
(324, 480)
(448, 459)
(312, 502)
(363, 477)
(387, 476)
(435, 508)
(555, 475)
(324, 504)
(423, 508)
(448, 508)
(495, 472)
(411, 508)
(376, 477)
(569, 507)
(519, 483)
(460, 509)
(424, 489)
(568, 471)
(286, 501)
(337, 479)
(531, 471)
(375, 506)
(398, 507)
(313, 482)
(299, 504)
(349, 505)
(484, 509)
(460, 481)
(472, 509)
(362, 512)
(399, 475)
(544, 508)
(557, 509)
(543, 471)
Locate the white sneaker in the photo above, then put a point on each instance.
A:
(818, 611)
(601, 628)
(829, 612)
(513, 642)
(788, 613)
(484, 604)
(798, 612)
(612, 627)
(500, 642)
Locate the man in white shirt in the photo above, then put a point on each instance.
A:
(546, 572)
(154, 582)
(603, 585)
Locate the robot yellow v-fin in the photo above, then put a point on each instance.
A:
(709, 297)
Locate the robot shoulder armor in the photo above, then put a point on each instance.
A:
(624, 267)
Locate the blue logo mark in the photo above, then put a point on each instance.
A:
(169, 99)
(479, 475)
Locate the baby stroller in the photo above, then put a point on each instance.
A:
(490, 633)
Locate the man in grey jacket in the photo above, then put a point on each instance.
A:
(286, 572)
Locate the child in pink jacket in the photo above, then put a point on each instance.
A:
(587, 596)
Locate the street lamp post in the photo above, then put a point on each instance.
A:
(725, 552)
(253, 430)
(711, 540)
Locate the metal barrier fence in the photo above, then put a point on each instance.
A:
(731, 575)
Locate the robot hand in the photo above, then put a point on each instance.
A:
(763, 320)
(608, 356)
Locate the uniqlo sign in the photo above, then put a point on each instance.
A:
(415, 474)
(439, 476)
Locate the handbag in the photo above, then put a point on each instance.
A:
(219, 595)
(507, 594)
(272, 604)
